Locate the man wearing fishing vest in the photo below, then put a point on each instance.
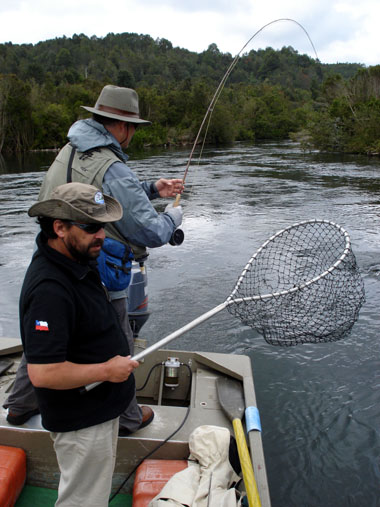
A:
(94, 155)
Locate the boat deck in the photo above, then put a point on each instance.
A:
(195, 397)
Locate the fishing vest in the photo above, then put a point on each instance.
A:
(85, 167)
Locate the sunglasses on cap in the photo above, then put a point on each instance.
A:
(89, 228)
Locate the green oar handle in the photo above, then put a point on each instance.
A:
(246, 465)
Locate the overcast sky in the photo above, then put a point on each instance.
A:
(341, 30)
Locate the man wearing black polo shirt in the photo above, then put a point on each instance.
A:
(72, 337)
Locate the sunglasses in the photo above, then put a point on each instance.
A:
(126, 123)
(89, 228)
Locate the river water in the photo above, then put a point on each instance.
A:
(319, 404)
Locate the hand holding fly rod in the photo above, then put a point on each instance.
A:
(172, 188)
(302, 285)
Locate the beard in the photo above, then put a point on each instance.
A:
(83, 253)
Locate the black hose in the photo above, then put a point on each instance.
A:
(162, 443)
(148, 377)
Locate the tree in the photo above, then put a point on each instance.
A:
(125, 78)
(64, 58)
(51, 124)
(269, 93)
(349, 118)
(15, 114)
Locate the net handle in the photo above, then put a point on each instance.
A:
(297, 288)
(167, 339)
(229, 301)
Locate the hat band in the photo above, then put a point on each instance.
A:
(114, 110)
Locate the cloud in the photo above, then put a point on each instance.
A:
(341, 30)
(216, 6)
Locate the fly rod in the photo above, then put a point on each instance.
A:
(219, 90)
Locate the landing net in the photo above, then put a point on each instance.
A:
(302, 286)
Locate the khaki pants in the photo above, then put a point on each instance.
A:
(86, 460)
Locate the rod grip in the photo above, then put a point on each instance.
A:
(177, 199)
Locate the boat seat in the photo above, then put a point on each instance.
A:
(12, 474)
(151, 476)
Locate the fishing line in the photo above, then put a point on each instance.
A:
(219, 90)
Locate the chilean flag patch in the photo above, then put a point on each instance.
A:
(41, 325)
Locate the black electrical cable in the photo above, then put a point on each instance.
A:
(148, 376)
(159, 445)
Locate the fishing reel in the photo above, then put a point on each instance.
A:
(177, 237)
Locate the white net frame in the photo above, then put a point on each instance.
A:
(302, 285)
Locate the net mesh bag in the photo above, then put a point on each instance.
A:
(303, 285)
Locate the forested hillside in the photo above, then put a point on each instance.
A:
(269, 95)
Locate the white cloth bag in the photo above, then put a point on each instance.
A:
(207, 481)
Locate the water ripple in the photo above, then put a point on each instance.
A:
(318, 403)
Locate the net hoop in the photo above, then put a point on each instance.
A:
(302, 285)
(299, 287)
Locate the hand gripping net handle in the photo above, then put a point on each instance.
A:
(301, 286)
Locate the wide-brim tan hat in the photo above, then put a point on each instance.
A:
(118, 103)
(78, 202)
